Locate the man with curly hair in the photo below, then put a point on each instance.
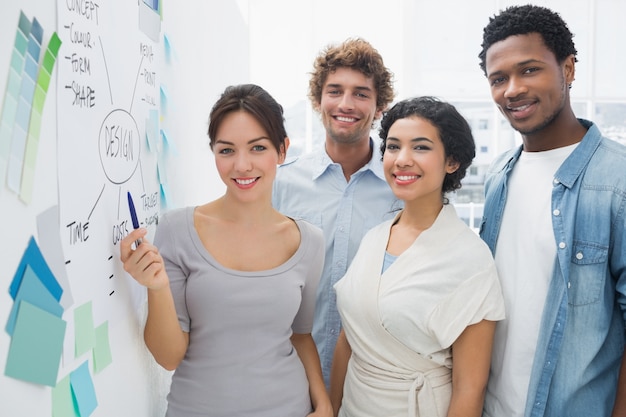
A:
(340, 187)
(555, 219)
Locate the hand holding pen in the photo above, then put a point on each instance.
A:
(144, 262)
(133, 217)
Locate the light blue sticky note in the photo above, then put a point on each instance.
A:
(168, 47)
(163, 99)
(168, 144)
(83, 389)
(84, 332)
(32, 256)
(33, 291)
(162, 168)
(165, 195)
(36, 346)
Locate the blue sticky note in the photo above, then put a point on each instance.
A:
(168, 47)
(163, 98)
(165, 195)
(36, 346)
(34, 258)
(33, 291)
(83, 389)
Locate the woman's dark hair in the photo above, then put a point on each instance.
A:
(454, 131)
(255, 101)
(522, 20)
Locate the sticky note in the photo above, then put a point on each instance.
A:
(102, 351)
(34, 292)
(62, 399)
(83, 390)
(84, 332)
(33, 257)
(36, 346)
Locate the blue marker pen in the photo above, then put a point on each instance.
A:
(133, 216)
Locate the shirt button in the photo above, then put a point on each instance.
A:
(562, 245)
(556, 212)
(579, 256)
(555, 181)
(341, 229)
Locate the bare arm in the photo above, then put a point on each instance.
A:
(162, 333)
(471, 359)
(342, 354)
(619, 409)
(305, 346)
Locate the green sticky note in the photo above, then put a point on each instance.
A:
(102, 351)
(36, 346)
(54, 44)
(43, 82)
(62, 400)
(84, 332)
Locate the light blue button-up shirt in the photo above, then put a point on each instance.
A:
(312, 187)
(582, 336)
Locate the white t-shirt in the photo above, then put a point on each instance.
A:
(525, 256)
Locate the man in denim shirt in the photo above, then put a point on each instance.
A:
(555, 219)
(340, 187)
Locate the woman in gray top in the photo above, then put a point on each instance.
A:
(231, 287)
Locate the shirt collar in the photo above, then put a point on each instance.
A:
(323, 162)
(575, 164)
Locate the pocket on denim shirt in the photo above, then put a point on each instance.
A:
(587, 273)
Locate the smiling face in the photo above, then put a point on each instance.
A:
(415, 161)
(348, 106)
(527, 83)
(245, 157)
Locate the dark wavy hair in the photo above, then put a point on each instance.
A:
(255, 101)
(454, 131)
(522, 20)
(359, 55)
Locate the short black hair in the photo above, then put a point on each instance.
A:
(522, 20)
(454, 132)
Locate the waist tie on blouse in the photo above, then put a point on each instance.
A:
(420, 385)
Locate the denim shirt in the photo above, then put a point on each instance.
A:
(582, 336)
(313, 188)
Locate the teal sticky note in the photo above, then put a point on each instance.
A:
(63, 404)
(34, 292)
(36, 346)
(84, 332)
(102, 351)
(32, 256)
(168, 47)
(83, 390)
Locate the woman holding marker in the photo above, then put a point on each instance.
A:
(231, 284)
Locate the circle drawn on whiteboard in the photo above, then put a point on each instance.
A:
(119, 146)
